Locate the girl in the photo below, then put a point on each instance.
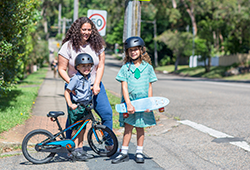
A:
(136, 77)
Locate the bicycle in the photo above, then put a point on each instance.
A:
(44, 148)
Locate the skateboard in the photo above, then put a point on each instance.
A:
(151, 103)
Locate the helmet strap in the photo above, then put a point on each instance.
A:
(136, 58)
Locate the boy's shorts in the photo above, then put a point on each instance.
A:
(75, 115)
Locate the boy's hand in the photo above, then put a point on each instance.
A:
(73, 106)
(147, 110)
(73, 91)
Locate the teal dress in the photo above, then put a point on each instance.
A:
(138, 79)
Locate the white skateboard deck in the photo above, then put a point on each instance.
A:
(141, 105)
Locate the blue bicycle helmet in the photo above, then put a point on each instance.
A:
(83, 58)
(134, 42)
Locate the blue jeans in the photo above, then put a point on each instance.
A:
(102, 108)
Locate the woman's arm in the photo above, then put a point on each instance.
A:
(99, 73)
(130, 107)
(62, 68)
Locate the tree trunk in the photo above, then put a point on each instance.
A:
(176, 63)
(190, 11)
(174, 4)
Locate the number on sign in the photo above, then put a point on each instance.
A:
(98, 23)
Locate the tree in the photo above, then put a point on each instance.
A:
(18, 21)
(178, 42)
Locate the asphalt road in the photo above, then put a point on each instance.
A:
(216, 138)
(219, 111)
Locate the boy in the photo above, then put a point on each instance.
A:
(80, 83)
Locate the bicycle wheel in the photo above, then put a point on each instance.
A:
(29, 144)
(99, 142)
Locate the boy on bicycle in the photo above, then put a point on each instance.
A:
(80, 83)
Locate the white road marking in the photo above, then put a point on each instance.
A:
(214, 133)
(229, 84)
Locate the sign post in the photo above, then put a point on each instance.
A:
(98, 17)
(132, 19)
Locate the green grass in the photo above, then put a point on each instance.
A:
(113, 101)
(16, 107)
(170, 68)
(215, 72)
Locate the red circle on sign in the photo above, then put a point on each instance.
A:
(102, 18)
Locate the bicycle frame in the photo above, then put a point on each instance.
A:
(67, 143)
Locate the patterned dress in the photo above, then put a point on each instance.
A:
(138, 79)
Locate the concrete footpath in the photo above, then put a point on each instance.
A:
(50, 98)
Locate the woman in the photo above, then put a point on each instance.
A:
(83, 37)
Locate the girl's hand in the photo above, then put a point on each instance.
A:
(73, 106)
(96, 89)
(130, 109)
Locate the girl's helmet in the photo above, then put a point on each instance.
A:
(133, 42)
(83, 58)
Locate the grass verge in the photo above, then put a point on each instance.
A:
(113, 99)
(16, 107)
(215, 72)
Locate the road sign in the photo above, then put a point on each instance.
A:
(99, 19)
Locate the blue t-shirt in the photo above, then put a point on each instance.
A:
(82, 88)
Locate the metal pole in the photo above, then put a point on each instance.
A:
(129, 19)
(59, 18)
(193, 49)
(75, 10)
(155, 44)
(156, 56)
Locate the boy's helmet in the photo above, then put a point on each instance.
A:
(134, 42)
(83, 58)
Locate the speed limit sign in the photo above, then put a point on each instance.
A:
(99, 19)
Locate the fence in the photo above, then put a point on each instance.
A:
(220, 61)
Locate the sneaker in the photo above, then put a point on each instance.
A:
(120, 158)
(79, 156)
(139, 158)
(84, 153)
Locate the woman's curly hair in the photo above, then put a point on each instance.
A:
(144, 56)
(75, 37)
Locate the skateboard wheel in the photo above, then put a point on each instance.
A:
(161, 109)
(125, 115)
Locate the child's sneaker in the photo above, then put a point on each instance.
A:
(84, 153)
(79, 156)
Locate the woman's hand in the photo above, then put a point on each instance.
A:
(96, 89)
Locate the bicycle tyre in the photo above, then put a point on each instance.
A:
(28, 146)
(100, 147)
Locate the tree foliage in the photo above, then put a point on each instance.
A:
(221, 27)
(178, 42)
(18, 20)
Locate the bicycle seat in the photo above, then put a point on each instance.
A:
(55, 113)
